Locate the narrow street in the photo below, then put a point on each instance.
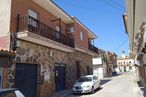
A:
(118, 86)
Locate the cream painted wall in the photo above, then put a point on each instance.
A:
(140, 16)
(140, 13)
(129, 12)
(5, 11)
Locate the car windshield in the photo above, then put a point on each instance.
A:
(10, 94)
(85, 79)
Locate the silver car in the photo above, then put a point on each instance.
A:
(10, 93)
(86, 84)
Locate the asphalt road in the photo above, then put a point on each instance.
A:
(117, 86)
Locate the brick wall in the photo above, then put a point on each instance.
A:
(78, 29)
(21, 7)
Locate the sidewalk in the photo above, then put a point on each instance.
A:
(63, 93)
(138, 90)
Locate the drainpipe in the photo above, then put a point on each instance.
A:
(134, 6)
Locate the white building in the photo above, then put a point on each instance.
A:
(125, 64)
(99, 67)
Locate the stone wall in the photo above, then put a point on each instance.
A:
(46, 58)
(84, 59)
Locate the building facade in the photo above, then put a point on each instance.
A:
(125, 64)
(52, 49)
(111, 61)
(99, 65)
(104, 64)
(135, 20)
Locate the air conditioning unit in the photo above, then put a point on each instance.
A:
(15, 43)
(70, 30)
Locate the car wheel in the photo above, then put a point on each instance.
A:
(99, 87)
(92, 90)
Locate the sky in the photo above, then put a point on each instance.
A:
(104, 18)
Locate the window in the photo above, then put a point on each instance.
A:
(57, 33)
(85, 79)
(32, 14)
(95, 78)
(78, 69)
(58, 28)
(33, 18)
(124, 62)
(81, 36)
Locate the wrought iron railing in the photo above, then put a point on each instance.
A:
(93, 48)
(27, 23)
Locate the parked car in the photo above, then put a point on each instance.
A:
(86, 84)
(10, 93)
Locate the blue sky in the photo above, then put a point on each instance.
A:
(104, 18)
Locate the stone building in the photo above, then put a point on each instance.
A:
(51, 48)
(111, 61)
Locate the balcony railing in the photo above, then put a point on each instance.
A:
(27, 23)
(93, 48)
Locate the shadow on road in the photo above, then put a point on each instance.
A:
(117, 75)
(103, 81)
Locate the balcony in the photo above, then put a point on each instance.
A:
(93, 48)
(27, 23)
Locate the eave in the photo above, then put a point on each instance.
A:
(51, 7)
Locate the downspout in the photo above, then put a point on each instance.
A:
(133, 21)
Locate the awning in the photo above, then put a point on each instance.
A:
(6, 53)
(5, 57)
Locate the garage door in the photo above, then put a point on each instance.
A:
(25, 79)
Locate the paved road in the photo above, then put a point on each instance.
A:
(118, 86)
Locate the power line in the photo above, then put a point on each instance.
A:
(118, 4)
(121, 44)
(110, 3)
(91, 9)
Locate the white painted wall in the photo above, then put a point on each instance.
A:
(97, 61)
(126, 61)
(98, 72)
(5, 11)
(101, 70)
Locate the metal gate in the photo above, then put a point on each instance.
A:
(59, 77)
(25, 79)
